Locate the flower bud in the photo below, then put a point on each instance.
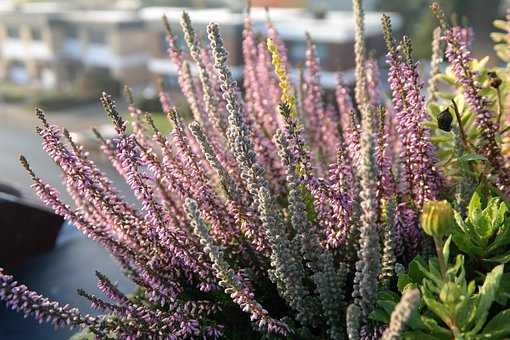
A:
(437, 218)
(444, 120)
(494, 80)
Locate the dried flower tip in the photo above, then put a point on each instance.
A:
(26, 165)
(439, 14)
(98, 135)
(111, 110)
(174, 117)
(129, 95)
(166, 23)
(388, 33)
(41, 115)
(494, 80)
(150, 121)
(360, 89)
(407, 49)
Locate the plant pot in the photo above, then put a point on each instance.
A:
(26, 230)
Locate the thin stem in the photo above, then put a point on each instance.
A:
(439, 251)
(500, 106)
(461, 126)
(465, 142)
(505, 130)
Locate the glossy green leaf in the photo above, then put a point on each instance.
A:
(503, 293)
(388, 295)
(437, 308)
(500, 258)
(499, 326)
(487, 295)
(474, 207)
(387, 305)
(434, 328)
(417, 270)
(403, 280)
(446, 249)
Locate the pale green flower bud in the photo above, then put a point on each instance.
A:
(437, 218)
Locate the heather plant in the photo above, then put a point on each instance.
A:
(276, 213)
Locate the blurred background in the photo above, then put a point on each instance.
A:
(60, 55)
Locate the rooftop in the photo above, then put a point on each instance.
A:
(109, 16)
(291, 23)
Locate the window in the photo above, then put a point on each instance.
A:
(297, 51)
(36, 34)
(17, 73)
(97, 36)
(170, 81)
(72, 32)
(322, 50)
(12, 32)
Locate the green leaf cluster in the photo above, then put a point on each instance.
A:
(467, 300)
(484, 235)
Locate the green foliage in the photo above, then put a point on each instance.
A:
(452, 306)
(151, 104)
(93, 82)
(47, 99)
(10, 93)
(485, 233)
(419, 23)
(461, 301)
(460, 158)
(58, 101)
(502, 40)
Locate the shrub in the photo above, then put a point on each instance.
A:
(43, 98)
(58, 101)
(277, 216)
(12, 93)
(95, 80)
(152, 104)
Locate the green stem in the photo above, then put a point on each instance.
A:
(500, 106)
(461, 126)
(439, 251)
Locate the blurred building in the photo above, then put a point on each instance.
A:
(332, 5)
(332, 31)
(45, 45)
(28, 46)
(51, 46)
